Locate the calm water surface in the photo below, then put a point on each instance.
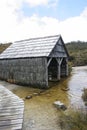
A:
(40, 113)
(76, 83)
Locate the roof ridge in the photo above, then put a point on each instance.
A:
(42, 37)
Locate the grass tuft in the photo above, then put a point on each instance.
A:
(75, 120)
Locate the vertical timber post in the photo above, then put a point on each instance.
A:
(59, 71)
(47, 85)
(59, 61)
(67, 67)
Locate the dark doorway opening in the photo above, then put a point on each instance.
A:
(53, 70)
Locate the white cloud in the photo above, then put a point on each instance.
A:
(33, 3)
(35, 26)
(15, 26)
(74, 29)
(84, 13)
(37, 2)
(71, 29)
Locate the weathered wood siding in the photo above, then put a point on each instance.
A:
(59, 50)
(29, 71)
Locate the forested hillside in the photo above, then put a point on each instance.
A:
(78, 52)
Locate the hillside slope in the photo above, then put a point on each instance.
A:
(78, 52)
(4, 46)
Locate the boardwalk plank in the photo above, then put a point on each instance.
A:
(11, 110)
(12, 127)
(10, 122)
(4, 118)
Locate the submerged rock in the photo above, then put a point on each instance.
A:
(65, 89)
(60, 105)
(28, 97)
(36, 94)
(41, 91)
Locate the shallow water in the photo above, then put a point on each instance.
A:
(76, 83)
(40, 113)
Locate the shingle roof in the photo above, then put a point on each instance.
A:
(35, 47)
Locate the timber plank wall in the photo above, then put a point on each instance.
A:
(28, 71)
(11, 110)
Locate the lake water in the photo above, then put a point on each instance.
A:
(40, 113)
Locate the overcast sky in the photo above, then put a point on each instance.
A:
(21, 19)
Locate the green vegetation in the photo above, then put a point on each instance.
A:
(84, 96)
(75, 120)
(70, 67)
(78, 53)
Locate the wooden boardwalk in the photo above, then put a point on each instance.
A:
(11, 110)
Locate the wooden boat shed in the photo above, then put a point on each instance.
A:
(35, 61)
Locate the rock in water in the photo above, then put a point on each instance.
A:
(28, 97)
(60, 105)
(36, 94)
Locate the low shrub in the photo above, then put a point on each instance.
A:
(75, 120)
(84, 95)
(70, 67)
